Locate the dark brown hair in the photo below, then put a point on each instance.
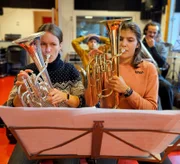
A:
(152, 24)
(52, 28)
(136, 30)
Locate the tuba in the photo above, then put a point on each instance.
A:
(37, 86)
(101, 66)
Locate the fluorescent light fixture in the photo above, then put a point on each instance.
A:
(88, 17)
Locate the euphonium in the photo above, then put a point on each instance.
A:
(102, 67)
(37, 86)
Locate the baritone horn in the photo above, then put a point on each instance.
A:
(37, 86)
(101, 67)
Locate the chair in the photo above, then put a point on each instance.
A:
(16, 58)
(1, 123)
(165, 71)
(9, 135)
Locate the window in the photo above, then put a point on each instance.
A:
(91, 25)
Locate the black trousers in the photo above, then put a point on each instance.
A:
(166, 93)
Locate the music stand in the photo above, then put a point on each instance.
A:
(93, 133)
(173, 70)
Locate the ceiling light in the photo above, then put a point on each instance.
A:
(88, 17)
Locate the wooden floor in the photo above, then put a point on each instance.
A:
(6, 84)
(6, 149)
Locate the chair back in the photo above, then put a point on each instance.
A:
(169, 47)
(16, 54)
(16, 58)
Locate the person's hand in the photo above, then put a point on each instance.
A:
(56, 96)
(117, 84)
(150, 41)
(90, 35)
(22, 75)
(93, 53)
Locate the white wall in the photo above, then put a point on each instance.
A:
(66, 12)
(17, 21)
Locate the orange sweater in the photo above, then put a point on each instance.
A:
(143, 81)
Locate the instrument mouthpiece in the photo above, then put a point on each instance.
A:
(122, 50)
(48, 56)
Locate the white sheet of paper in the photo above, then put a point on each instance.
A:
(35, 140)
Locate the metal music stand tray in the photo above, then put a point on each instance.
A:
(28, 129)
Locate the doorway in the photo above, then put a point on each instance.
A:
(41, 17)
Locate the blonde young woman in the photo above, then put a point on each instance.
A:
(67, 91)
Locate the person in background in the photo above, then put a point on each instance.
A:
(93, 41)
(159, 53)
(67, 91)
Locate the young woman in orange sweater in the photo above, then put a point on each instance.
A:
(137, 85)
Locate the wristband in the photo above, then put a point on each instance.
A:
(128, 92)
(68, 96)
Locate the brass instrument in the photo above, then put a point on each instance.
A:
(37, 86)
(83, 74)
(101, 66)
(146, 53)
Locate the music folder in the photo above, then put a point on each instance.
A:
(49, 133)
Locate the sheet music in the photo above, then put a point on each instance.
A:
(37, 139)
